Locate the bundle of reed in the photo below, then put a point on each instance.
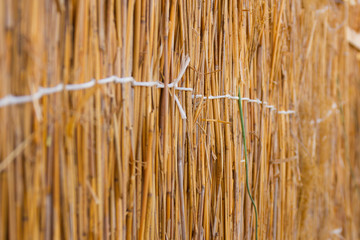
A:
(120, 119)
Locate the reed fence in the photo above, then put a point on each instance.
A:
(120, 119)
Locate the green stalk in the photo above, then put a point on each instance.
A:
(246, 164)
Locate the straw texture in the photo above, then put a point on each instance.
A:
(128, 124)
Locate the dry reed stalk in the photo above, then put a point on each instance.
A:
(119, 161)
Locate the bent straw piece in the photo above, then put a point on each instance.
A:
(353, 37)
(16, 152)
(246, 164)
(181, 73)
(181, 110)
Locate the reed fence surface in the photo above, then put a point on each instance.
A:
(119, 119)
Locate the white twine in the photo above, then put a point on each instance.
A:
(11, 100)
(43, 91)
(124, 80)
(78, 86)
(184, 89)
(145, 84)
(271, 107)
(286, 112)
(51, 90)
(181, 110)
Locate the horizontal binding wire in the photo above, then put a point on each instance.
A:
(271, 107)
(43, 91)
(14, 100)
(78, 86)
